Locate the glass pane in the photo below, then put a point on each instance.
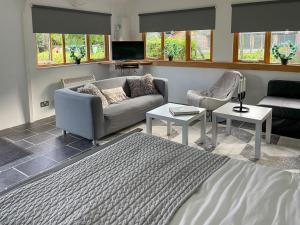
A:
(43, 49)
(97, 47)
(200, 44)
(57, 48)
(76, 42)
(283, 37)
(176, 42)
(153, 45)
(251, 46)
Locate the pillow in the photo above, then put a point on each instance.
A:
(142, 86)
(93, 90)
(114, 95)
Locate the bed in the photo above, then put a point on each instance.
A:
(143, 179)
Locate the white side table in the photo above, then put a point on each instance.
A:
(256, 115)
(163, 113)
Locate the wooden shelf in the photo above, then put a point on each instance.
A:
(226, 65)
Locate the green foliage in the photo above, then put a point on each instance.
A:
(285, 51)
(175, 48)
(153, 47)
(77, 53)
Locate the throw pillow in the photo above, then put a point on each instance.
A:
(142, 86)
(114, 95)
(93, 90)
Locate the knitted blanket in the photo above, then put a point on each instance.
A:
(141, 179)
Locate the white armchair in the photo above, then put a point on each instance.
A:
(219, 94)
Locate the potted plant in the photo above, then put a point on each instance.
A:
(284, 52)
(172, 50)
(77, 53)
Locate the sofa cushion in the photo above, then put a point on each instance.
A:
(91, 89)
(288, 108)
(140, 86)
(130, 111)
(114, 95)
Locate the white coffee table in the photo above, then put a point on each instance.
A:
(163, 113)
(256, 115)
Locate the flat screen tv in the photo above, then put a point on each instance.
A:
(128, 50)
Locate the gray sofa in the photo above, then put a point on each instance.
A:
(83, 115)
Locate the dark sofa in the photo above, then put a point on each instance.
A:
(284, 98)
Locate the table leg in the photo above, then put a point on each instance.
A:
(258, 140)
(214, 130)
(185, 134)
(228, 126)
(169, 128)
(148, 125)
(203, 128)
(269, 129)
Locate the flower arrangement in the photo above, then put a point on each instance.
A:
(285, 52)
(77, 53)
(172, 50)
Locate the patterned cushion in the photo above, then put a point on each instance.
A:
(114, 95)
(142, 86)
(93, 90)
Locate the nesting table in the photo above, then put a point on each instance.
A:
(257, 115)
(163, 113)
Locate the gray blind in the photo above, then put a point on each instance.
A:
(266, 16)
(190, 19)
(67, 21)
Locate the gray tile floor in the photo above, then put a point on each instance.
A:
(48, 147)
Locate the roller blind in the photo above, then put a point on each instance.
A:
(58, 20)
(189, 19)
(266, 16)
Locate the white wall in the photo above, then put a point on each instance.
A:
(13, 88)
(182, 79)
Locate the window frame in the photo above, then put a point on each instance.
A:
(187, 48)
(88, 50)
(267, 51)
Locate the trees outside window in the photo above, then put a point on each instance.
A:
(201, 45)
(178, 38)
(43, 48)
(97, 47)
(76, 41)
(251, 47)
(153, 45)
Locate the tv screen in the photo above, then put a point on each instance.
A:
(128, 50)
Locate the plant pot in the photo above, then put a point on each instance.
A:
(284, 61)
(170, 58)
(77, 61)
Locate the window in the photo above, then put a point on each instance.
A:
(43, 49)
(251, 47)
(201, 45)
(283, 37)
(153, 45)
(97, 47)
(178, 38)
(191, 45)
(55, 49)
(257, 47)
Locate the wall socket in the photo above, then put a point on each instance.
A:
(44, 104)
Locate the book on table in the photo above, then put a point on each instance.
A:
(183, 110)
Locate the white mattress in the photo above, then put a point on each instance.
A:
(242, 193)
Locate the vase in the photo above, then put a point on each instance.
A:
(170, 58)
(284, 61)
(77, 61)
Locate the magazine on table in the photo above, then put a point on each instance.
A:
(183, 110)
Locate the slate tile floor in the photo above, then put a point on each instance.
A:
(49, 147)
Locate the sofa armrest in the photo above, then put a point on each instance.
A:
(78, 113)
(162, 86)
(284, 88)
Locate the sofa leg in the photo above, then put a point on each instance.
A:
(95, 143)
(64, 132)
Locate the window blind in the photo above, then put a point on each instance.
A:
(180, 20)
(68, 21)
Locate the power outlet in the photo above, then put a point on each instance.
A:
(44, 104)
